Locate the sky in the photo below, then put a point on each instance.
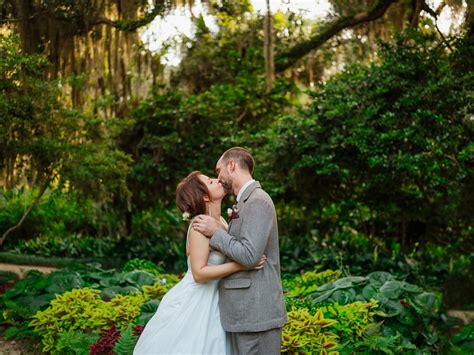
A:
(178, 22)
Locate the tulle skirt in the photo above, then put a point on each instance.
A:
(187, 322)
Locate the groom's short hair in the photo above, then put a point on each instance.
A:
(242, 157)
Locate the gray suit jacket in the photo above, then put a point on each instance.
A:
(251, 301)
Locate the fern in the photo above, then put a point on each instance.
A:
(76, 343)
(126, 343)
(378, 344)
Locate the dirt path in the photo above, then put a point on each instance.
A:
(22, 269)
(466, 316)
(11, 347)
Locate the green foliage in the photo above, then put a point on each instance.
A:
(31, 126)
(43, 142)
(58, 262)
(382, 344)
(88, 312)
(7, 276)
(126, 343)
(374, 313)
(35, 292)
(387, 144)
(75, 342)
(157, 234)
(353, 319)
(83, 310)
(147, 310)
(67, 226)
(305, 333)
(142, 264)
(31, 294)
(73, 245)
(462, 342)
(403, 306)
(301, 285)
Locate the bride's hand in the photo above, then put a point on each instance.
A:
(261, 263)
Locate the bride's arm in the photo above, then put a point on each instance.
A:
(199, 253)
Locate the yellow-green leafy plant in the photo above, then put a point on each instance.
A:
(126, 308)
(155, 291)
(353, 319)
(83, 311)
(305, 333)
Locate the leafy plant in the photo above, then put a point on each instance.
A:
(404, 307)
(462, 342)
(142, 264)
(301, 285)
(106, 342)
(126, 342)
(304, 333)
(82, 310)
(147, 310)
(75, 342)
(353, 319)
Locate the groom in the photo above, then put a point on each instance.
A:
(250, 302)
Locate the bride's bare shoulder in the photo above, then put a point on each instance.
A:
(194, 234)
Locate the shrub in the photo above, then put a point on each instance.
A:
(83, 311)
(301, 285)
(142, 264)
(304, 333)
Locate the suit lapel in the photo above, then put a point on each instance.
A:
(245, 196)
(248, 191)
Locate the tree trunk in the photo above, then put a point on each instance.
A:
(268, 46)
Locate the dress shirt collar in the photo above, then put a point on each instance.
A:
(242, 189)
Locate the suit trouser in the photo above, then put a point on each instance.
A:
(257, 343)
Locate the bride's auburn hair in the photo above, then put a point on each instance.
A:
(190, 194)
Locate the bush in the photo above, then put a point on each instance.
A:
(305, 333)
(383, 149)
(58, 214)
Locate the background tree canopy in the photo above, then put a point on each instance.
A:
(361, 123)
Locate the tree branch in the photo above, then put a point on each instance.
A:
(331, 29)
(129, 25)
(27, 212)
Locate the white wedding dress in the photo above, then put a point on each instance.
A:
(187, 320)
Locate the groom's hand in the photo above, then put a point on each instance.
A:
(206, 225)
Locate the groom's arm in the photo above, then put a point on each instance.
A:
(254, 234)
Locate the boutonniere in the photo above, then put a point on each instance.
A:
(233, 212)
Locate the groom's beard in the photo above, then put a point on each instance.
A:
(227, 185)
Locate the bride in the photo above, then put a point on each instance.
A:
(187, 320)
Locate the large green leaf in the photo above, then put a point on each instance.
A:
(326, 287)
(391, 289)
(425, 304)
(465, 334)
(140, 278)
(369, 292)
(148, 309)
(114, 280)
(392, 308)
(411, 288)
(405, 317)
(62, 281)
(343, 296)
(378, 278)
(35, 302)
